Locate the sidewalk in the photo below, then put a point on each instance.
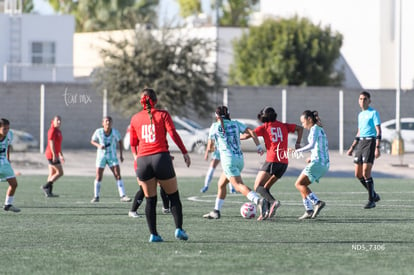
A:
(82, 163)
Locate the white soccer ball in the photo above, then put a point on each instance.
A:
(248, 210)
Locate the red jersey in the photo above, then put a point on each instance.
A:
(152, 139)
(55, 135)
(275, 135)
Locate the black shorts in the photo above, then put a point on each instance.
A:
(365, 151)
(57, 162)
(274, 168)
(158, 166)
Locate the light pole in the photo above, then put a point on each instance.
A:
(217, 51)
(398, 143)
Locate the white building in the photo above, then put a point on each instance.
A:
(35, 47)
(39, 48)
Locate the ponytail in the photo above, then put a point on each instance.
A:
(148, 101)
(222, 112)
(310, 114)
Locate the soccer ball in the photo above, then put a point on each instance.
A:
(248, 210)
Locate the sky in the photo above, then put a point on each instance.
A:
(168, 9)
(42, 7)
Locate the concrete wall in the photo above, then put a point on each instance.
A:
(81, 108)
(248, 101)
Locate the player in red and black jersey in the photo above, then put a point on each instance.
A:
(148, 132)
(54, 156)
(275, 135)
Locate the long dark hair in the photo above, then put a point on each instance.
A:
(222, 112)
(267, 114)
(148, 101)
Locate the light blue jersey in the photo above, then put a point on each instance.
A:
(367, 120)
(108, 154)
(318, 145)
(6, 171)
(4, 147)
(228, 144)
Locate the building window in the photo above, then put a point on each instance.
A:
(43, 52)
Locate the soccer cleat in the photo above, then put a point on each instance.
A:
(318, 207)
(46, 191)
(125, 199)
(369, 205)
(155, 239)
(263, 209)
(215, 214)
(377, 198)
(204, 189)
(272, 209)
(181, 235)
(166, 210)
(11, 208)
(308, 214)
(95, 199)
(232, 191)
(133, 214)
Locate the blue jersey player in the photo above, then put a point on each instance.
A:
(6, 171)
(366, 146)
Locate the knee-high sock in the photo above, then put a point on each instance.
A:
(139, 197)
(176, 209)
(370, 186)
(265, 193)
(97, 188)
(151, 215)
(121, 188)
(313, 198)
(209, 176)
(165, 199)
(308, 204)
(362, 181)
(9, 200)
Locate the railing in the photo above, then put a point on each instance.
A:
(44, 72)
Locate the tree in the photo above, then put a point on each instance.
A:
(28, 6)
(174, 66)
(189, 7)
(287, 52)
(234, 13)
(102, 15)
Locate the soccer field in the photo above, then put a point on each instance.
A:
(69, 235)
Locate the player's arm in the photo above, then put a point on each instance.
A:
(121, 156)
(245, 136)
(378, 141)
(299, 131)
(52, 149)
(8, 152)
(354, 143)
(252, 133)
(96, 144)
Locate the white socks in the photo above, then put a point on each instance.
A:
(97, 188)
(252, 196)
(121, 188)
(209, 176)
(9, 200)
(219, 204)
(310, 201)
